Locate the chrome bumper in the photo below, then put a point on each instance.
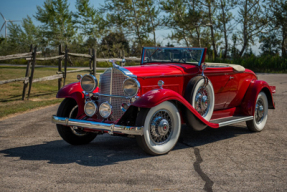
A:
(98, 126)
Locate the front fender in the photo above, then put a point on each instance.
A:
(74, 91)
(157, 96)
(249, 100)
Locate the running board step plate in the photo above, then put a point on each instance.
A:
(231, 120)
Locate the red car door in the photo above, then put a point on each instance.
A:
(220, 78)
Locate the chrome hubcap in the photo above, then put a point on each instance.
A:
(161, 127)
(202, 101)
(259, 111)
(75, 129)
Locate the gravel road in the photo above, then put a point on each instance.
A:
(34, 158)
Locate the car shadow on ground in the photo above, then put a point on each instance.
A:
(107, 150)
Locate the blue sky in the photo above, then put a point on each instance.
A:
(18, 9)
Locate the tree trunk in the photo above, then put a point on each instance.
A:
(198, 36)
(244, 30)
(225, 32)
(284, 35)
(136, 23)
(211, 29)
(152, 23)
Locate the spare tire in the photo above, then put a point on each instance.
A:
(202, 99)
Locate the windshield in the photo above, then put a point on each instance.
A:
(172, 55)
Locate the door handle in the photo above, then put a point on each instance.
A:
(231, 77)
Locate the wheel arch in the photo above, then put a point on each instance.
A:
(155, 97)
(271, 104)
(73, 91)
(249, 101)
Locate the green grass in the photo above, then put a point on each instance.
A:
(42, 93)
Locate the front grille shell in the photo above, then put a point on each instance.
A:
(111, 83)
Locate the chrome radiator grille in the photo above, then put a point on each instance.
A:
(111, 83)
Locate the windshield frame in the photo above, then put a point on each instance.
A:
(155, 48)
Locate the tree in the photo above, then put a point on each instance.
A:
(153, 17)
(182, 19)
(128, 17)
(224, 20)
(113, 43)
(252, 20)
(21, 37)
(270, 43)
(57, 26)
(210, 12)
(278, 22)
(89, 21)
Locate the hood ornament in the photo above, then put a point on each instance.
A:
(114, 63)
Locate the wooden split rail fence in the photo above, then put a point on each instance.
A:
(61, 74)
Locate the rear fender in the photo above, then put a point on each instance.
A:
(74, 91)
(249, 100)
(157, 96)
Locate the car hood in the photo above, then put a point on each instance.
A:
(155, 70)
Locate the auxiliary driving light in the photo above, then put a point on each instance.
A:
(90, 108)
(105, 110)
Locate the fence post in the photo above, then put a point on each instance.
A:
(94, 57)
(123, 57)
(91, 60)
(60, 67)
(25, 83)
(32, 71)
(66, 63)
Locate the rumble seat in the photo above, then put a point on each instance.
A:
(237, 68)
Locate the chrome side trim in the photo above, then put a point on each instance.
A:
(98, 126)
(231, 120)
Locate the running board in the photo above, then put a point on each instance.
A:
(231, 120)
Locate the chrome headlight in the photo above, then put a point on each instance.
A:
(90, 108)
(131, 87)
(105, 110)
(89, 83)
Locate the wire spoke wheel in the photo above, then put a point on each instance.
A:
(75, 129)
(202, 101)
(260, 114)
(161, 127)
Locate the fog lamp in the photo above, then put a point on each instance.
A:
(90, 108)
(105, 110)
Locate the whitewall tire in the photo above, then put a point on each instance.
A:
(260, 114)
(162, 125)
(203, 99)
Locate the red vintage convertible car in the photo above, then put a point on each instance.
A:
(171, 87)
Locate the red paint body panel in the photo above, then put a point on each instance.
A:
(74, 91)
(225, 113)
(249, 100)
(235, 92)
(157, 96)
